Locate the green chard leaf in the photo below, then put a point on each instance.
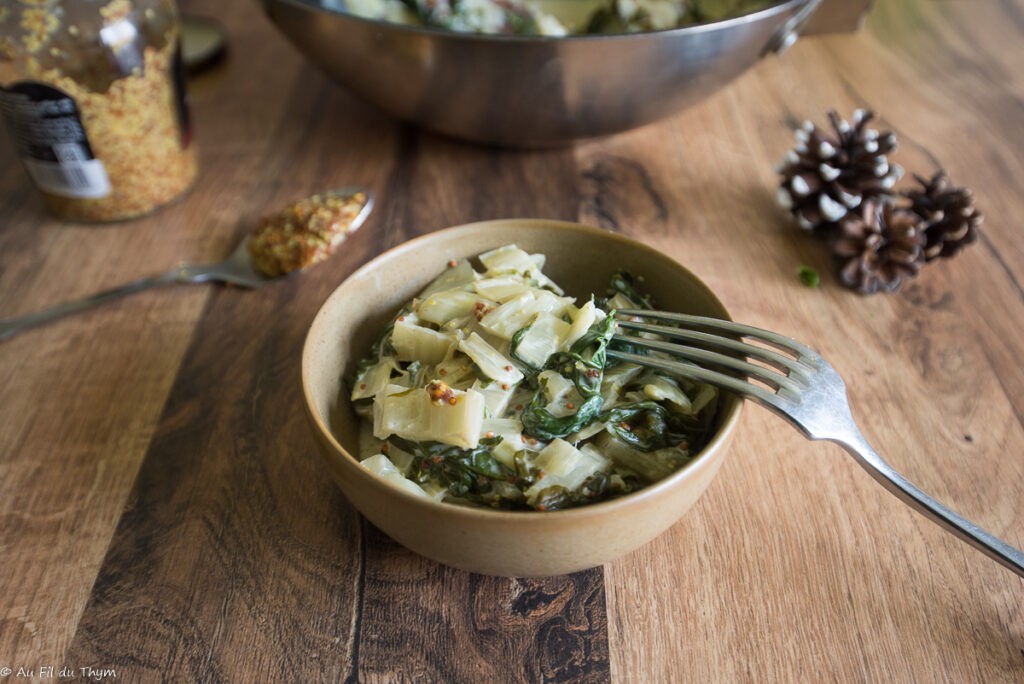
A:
(381, 347)
(467, 473)
(557, 497)
(648, 426)
(513, 349)
(540, 423)
(584, 364)
(626, 283)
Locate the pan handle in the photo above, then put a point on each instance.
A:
(790, 31)
(817, 17)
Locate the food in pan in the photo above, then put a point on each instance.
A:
(549, 17)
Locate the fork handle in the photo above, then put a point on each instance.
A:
(993, 547)
(9, 327)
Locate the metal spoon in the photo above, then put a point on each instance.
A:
(237, 269)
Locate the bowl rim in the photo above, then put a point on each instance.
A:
(779, 7)
(719, 440)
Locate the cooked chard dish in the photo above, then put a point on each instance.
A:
(493, 388)
(549, 17)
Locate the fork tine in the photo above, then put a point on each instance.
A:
(705, 356)
(789, 365)
(689, 370)
(790, 345)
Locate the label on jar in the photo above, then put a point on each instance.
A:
(51, 141)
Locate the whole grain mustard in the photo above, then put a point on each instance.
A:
(93, 94)
(305, 232)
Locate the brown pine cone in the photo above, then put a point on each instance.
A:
(880, 247)
(949, 219)
(827, 175)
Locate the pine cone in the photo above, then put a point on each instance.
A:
(949, 219)
(880, 247)
(827, 175)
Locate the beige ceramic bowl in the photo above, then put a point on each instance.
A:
(519, 543)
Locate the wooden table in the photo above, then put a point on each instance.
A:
(165, 516)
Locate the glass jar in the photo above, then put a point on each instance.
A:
(93, 93)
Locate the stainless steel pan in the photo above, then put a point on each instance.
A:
(528, 91)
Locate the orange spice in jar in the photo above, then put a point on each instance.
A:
(93, 94)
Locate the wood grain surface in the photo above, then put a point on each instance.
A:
(164, 517)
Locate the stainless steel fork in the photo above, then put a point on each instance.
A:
(237, 269)
(790, 379)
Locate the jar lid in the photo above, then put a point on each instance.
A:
(203, 42)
